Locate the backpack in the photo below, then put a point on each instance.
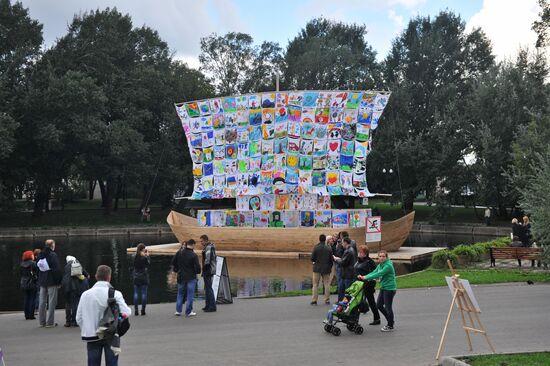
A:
(116, 325)
(29, 282)
(43, 265)
(76, 268)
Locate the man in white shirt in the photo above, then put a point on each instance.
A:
(91, 310)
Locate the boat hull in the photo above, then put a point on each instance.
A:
(394, 234)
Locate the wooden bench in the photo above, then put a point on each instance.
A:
(518, 253)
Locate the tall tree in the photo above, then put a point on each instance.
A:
(20, 40)
(236, 65)
(431, 69)
(542, 25)
(330, 55)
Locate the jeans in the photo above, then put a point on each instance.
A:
(384, 304)
(29, 301)
(340, 283)
(47, 295)
(94, 354)
(186, 289)
(140, 290)
(209, 293)
(71, 305)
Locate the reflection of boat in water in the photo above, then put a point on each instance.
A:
(394, 234)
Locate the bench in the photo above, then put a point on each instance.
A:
(518, 253)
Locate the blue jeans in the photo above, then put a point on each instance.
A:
(186, 288)
(94, 354)
(209, 293)
(141, 289)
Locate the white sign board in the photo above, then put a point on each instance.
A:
(373, 229)
(216, 279)
(466, 285)
(365, 201)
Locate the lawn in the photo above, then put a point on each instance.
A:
(519, 359)
(435, 278)
(85, 213)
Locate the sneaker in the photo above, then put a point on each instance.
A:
(325, 321)
(209, 310)
(51, 325)
(67, 325)
(327, 302)
(375, 322)
(177, 313)
(386, 328)
(313, 303)
(191, 314)
(143, 312)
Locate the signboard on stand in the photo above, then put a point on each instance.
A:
(373, 229)
(220, 283)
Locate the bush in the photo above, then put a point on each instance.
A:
(439, 259)
(501, 242)
(468, 252)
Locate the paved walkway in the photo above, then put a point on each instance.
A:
(288, 331)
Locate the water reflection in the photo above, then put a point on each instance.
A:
(248, 276)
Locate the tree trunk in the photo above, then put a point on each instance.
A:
(408, 202)
(39, 198)
(47, 194)
(118, 193)
(91, 189)
(103, 191)
(110, 188)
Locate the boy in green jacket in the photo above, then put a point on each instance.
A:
(386, 273)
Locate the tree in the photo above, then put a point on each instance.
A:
(20, 40)
(501, 106)
(235, 65)
(542, 25)
(330, 55)
(431, 70)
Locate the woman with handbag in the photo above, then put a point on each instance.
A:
(29, 279)
(141, 277)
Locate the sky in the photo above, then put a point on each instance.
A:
(182, 23)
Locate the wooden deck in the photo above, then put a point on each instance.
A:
(404, 255)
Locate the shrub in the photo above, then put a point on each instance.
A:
(466, 251)
(480, 250)
(439, 259)
(501, 242)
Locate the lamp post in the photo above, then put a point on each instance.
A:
(386, 172)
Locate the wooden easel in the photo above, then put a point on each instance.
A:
(465, 305)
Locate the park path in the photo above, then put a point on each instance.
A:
(288, 331)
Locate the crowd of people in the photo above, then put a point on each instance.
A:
(92, 309)
(339, 256)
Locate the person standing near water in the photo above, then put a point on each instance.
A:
(208, 272)
(186, 264)
(49, 279)
(388, 286)
(29, 278)
(141, 277)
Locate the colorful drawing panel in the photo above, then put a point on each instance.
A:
(323, 136)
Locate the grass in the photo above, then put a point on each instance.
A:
(89, 213)
(518, 359)
(435, 278)
(85, 213)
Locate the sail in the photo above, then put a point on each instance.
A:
(279, 143)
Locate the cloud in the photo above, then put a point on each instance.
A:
(396, 19)
(507, 23)
(410, 4)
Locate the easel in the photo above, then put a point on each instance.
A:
(464, 304)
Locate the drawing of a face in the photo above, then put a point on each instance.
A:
(254, 203)
(359, 166)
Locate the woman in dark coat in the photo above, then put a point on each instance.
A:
(363, 267)
(141, 277)
(29, 283)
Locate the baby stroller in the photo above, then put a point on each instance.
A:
(350, 315)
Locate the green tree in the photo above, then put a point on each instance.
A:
(542, 26)
(330, 55)
(20, 40)
(431, 70)
(235, 65)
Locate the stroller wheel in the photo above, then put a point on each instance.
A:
(336, 331)
(351, 327)
(359, 330)
(328, 328)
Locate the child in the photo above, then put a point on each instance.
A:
(339, 307)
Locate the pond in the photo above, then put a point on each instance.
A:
(248, 276)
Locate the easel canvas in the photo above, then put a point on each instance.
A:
(466, 304)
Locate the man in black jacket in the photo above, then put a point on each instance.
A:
(186, 264)
(346, 262)
(49, 279)
(321, 257)
(363, 267)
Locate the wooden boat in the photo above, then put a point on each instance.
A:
(394, 234)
